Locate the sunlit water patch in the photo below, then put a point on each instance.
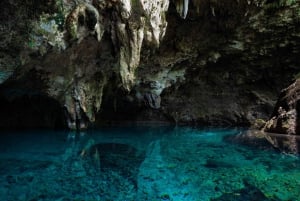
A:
(142, 163)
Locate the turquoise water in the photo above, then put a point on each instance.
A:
(142, 163)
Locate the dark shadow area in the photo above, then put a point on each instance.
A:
(30, 111)
(119, 107)
(24, 103)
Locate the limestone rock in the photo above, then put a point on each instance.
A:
(182, 7)
(285, 118)
(223, 65)
(130, 23)
(84, 19)
(152, 100)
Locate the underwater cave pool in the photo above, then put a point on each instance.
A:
(142, 163)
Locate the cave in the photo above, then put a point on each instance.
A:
(149, 100)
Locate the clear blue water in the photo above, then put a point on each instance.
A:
(142, 163)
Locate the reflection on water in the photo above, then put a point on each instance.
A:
(142, 163)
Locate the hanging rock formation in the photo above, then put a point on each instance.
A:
(84, 19)
(129, 24)
(182, 7)
(72, 76)
(203, 62)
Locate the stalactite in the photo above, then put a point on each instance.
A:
(213, 11)
(82, 21)
(197, 4)
(182, 7)
(131, 23)
(185, 8)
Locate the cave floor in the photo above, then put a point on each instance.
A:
(142, 163)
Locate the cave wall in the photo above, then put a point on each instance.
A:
(222, 67)
(238, 64)
(215, 63)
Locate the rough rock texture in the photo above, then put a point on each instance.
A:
(224, 66)
(134, 60)
(285, 118)
(78, 88)
(285, 121)
(74, 67)
(282, 130)
(15, 19)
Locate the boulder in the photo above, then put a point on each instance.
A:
(285, 118)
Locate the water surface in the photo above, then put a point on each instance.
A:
(142, 163)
